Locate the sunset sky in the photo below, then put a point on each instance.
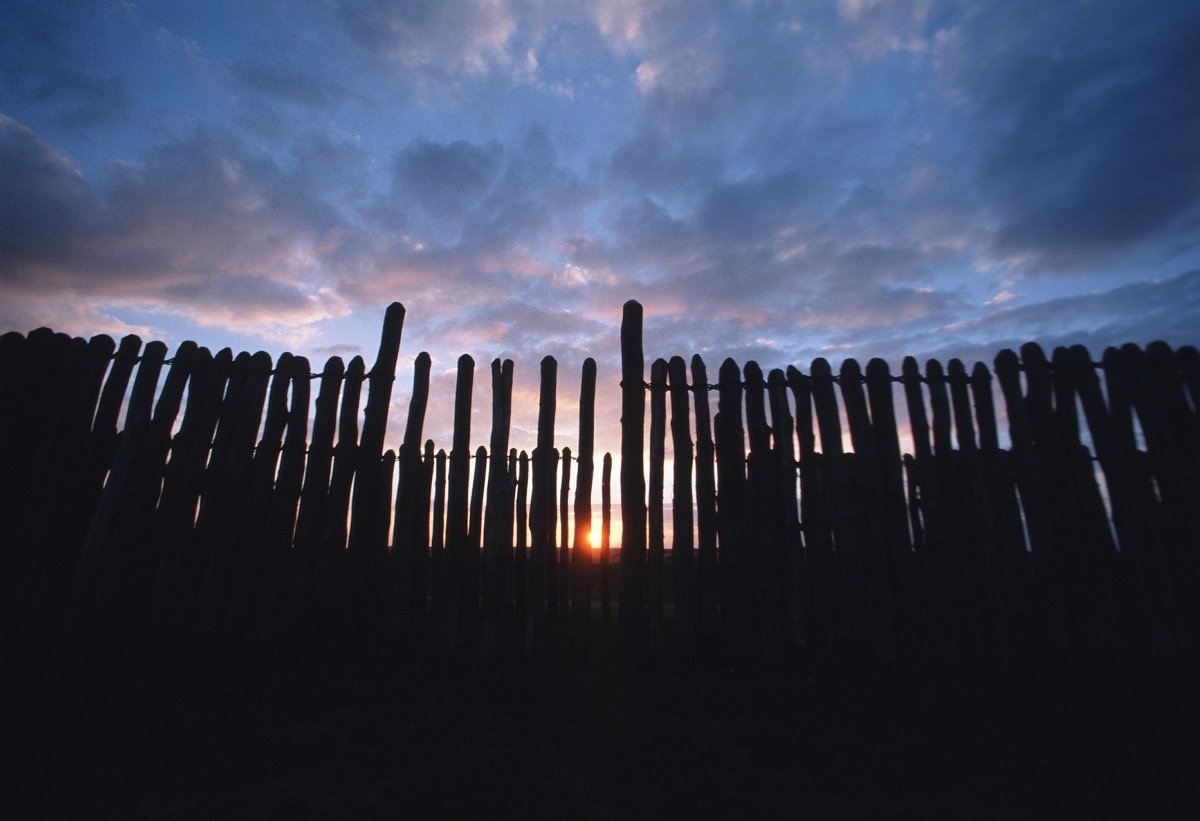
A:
(773, 181)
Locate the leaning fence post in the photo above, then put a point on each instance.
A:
(367, 548)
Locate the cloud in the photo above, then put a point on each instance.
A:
(39, 68)
(432, 42)
(204, 228)
(1089, 126)
(446, 180)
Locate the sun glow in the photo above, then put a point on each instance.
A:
(594, 539)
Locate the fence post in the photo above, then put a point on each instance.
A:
(633, 479)
(407, 541)
(457, 504)
(682, 558)
(706, 506)
(605, 531)
(564, 538)
(736, 586)
(541, 507)
(786, 567)
(654, 558)
(438, 584)
(868, 505)
(497, 530)
(520, 578)
(472, 568)
(581, 562)
(762, 542)
(818, 595)
(898, 548)
(367, 548)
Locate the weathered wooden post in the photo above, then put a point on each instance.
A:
(497, 531)
(457, 503)
(736, 587)
(654, 563)
(407, 539)
(344, 458)
(581, 563)
(787, 563)
(367, 548)
(438, 584)
(315, 491)
(762, 543)
(422, 544)
(540, 510)
(605, 534)
(471, 572)
(633, 479)
(898, 549)
(564, 537)
(849, 583)
(708, 597)
(281, 520)
(682, 558)
(520, 578)
(818, 594)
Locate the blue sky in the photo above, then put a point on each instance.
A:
(773, 180)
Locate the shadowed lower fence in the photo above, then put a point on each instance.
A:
(221, 514)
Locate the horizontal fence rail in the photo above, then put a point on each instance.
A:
(235, 508)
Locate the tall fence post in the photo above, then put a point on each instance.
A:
(581, 560)
(633, 478)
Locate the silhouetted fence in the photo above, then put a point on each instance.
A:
(242, 521)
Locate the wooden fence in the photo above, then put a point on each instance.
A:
(1080, 540)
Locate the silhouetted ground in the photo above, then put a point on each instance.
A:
(423, 737)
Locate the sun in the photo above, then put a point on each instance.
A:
(594, 539)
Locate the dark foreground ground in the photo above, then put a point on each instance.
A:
(435, 738)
